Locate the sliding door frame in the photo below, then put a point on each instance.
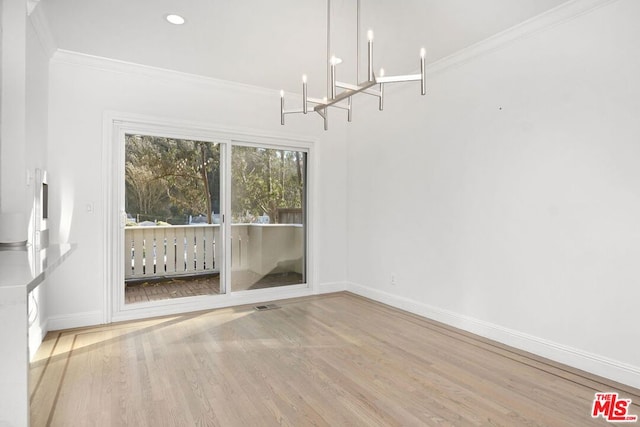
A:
(244, 143)
(115, 126)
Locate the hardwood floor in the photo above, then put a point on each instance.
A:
(331, 360)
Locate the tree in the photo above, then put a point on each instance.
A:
(147, 194)
(187, 170)
(264, 181)
(178, 177)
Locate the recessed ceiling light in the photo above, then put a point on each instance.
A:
(175, 19)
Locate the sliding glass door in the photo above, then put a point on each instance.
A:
(172, 233)
(202, 218)
(268, 228)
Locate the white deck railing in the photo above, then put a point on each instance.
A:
(195, 249)
(170, 250)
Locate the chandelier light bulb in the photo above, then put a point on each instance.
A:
(370, 35)
(335, 60)
(304, 78)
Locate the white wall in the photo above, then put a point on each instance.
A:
(23, 130)
(82, 89)
(507, 201)
(13, 22)
(37, 100)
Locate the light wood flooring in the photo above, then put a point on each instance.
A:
(330, 360)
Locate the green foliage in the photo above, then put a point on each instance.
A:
(265, 180)
(169, 179)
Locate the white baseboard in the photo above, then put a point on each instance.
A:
(76, 320)
(330, 287)
(592, 363)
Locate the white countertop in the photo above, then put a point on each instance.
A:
(21, 270)
(27, 267)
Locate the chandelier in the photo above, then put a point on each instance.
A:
(373, 85)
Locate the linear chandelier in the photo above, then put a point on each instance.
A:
(342, 99)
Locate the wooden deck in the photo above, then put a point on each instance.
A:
(179, 287)
(330, 360)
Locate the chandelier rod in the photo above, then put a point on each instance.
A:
(358, 41)
(328, 47)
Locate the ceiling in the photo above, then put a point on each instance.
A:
(272, 43)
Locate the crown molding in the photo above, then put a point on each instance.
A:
(42, 29)
(63, 56)
(561, 14)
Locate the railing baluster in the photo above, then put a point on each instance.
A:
(128, 254)
(190, 248)
(200, 248)
(216, 248)
(148, 253)
(208, 249)
(138, 248)
(170, 244)
(181, 254)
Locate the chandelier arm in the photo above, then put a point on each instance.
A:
(343, 85)
(372, 92)
(398, 79)
(358, 88)
(323, 114)
(293, 111)
(322, 107)
(316, 101)
(342, 107)
(344, 95)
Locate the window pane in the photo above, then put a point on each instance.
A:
(172, 235)
(268, 243)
